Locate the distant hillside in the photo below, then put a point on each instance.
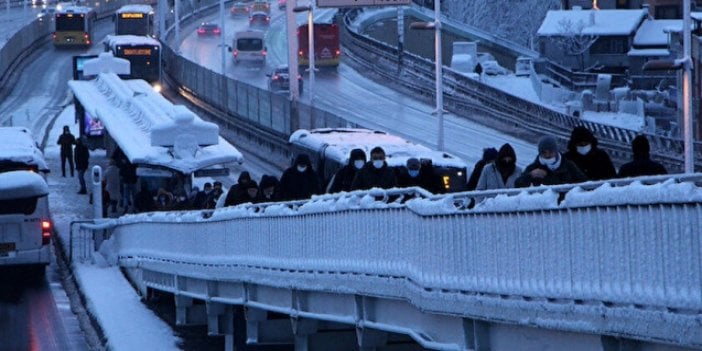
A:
(516, 20)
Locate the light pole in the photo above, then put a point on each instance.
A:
(684, 63)
(310, 44)
(221, 34)
(291, 27)
(436, 27)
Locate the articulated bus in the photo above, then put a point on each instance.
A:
(327, 50)
(74, 26)
(143, 53)
(135, 20)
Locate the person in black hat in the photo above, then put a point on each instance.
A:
(489, 156)
(236, 192)
(416, 174)
(583, 151)
(642, 163)
(269, 188)
(66, 140)
(299, 181)
(375, 174)
(344, 176)
(550, 168)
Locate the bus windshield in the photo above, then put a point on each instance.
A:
(131, 24)
(70, 22)
(249, 44)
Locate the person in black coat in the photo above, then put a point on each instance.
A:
(299, 181)
(416, 174)
(583, 151)
(269, 188)
(489, 156)
(201, 197)
(642, 163)
(343, 178)
(81, 157)
(237, 190)
(550, 168)
(375, 174)
(66, 141)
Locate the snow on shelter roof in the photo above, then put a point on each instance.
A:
(655, 32)
(136, 8)
(18, 146)
(130, 40)
(338, 143)
(149, 129)
(22, 184)
(593, 22)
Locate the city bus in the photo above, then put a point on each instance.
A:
(135, 20)
(327, 49)
(74, 26)
(143, 54)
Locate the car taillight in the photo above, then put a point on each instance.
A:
(235, 53)
(53, 35)
(201, 31)
(45, 232)
(337, 52)
(264, 53)
(217, 31)
(276, 77)
(301, 53)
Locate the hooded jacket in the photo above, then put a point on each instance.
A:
(489, 155)
(236, 191)
(642, 163)
(371, 177)
(566, 173)
(343, 179)
(500, 175)
(296, 185)
(596, 164)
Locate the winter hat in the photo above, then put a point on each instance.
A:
(413, 163)
(302, 159)
(268, 181)
(581, 134)
(377, 150)
(489, 154)
(244, 177)
(251, 185)
(640, 147)
(506, 150)
(548, 143)
(357, 154)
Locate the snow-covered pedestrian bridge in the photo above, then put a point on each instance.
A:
(616, 261)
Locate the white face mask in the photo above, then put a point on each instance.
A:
(301, 168)
(583, 150)
(378, 163)
(358, 164)
(413, 173)
(547, 161)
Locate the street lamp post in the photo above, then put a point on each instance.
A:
(436, 27)
(310, 44)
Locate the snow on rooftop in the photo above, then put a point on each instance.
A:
(19, 146)
(139, 8)
(106, 62)
(149, 129)
(340, 141)
(21, 184)
(655, 32)
(113, 40)
(593, 22)
(649, 52)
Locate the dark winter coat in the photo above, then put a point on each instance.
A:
(566, 173)
(343, 178)
(268, 181)
(426, 179)
(642, 164)
(128, 173)
(596, 164)
(237, 190)
(81, 157)
(371, 177)
(66, 140)
(489, 155)
(296, 185)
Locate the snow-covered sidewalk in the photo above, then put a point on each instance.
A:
(126, 322)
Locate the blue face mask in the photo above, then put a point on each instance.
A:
(413, 173)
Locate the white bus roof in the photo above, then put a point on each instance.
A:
(149, 129)
(19, 146)
(22, 184)
(130, 40)
(136, 8)
(338, 143)
(74, 9)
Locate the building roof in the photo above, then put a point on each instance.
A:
(149, 129)
(655, 32)
(592, 22)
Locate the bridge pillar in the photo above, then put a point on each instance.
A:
(610, 343)
(253, 318)
(188, 313)
(220, 321)
(477, 334)
(370, 339)
(302, 329)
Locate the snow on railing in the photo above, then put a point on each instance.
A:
(630, 242)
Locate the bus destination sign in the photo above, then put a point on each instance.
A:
(360, 3)
(132, 15)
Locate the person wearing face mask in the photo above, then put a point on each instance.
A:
(236, 192)
(416, 174)
(591, 160)
(502, 173)
(269, 188)
(344, 176)
(375, 174)
(642, 164)
(550, 167)
(299, 181)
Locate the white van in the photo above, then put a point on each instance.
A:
(25, 223)
(249, 46)
(19, 151)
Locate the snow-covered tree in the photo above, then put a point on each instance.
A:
(572, 39)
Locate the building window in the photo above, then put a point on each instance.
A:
(668, 12)
(610, 45)
(622, 4)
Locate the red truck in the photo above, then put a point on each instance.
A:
(327, 50)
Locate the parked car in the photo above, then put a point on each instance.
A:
(261, 6)
(492, 68)
(280, 80)
(208, 28)
(239, 9)
(259, 19)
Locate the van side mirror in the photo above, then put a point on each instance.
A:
(229, 48)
